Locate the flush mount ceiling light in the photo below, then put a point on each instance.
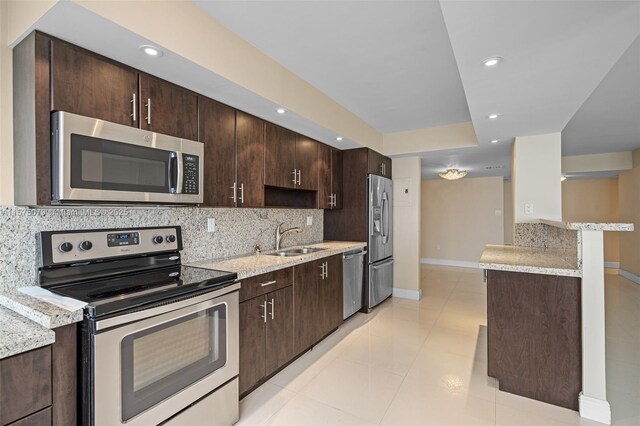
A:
(493, 116)
(453, 174)
(338, 138)
(495, 140)
(281, 110)
(492, 62)
(151, 50)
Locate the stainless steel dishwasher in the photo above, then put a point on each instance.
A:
(352, 281)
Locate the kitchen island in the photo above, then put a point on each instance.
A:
(545, 314)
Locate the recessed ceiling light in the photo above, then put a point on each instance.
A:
(281, 110)
(151, 50)
(339, 138)
(493, 116)
(495, 141)
(492, 62)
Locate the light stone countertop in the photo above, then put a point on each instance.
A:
(589, 226)
(37, 310)
(249, 265)
(531, 260)
(19, 334)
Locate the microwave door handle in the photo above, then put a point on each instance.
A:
(179, 180)
(173, 173)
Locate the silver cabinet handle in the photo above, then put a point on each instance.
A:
(264, 311)
(299, 177)
(322, 271)
(133, 113)
(273, 308)
(268, 283)
(242, 193)
(233, 188)
(326, 269)
(295, 174)
(148, 105)
(384, 169)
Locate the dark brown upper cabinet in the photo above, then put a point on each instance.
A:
(234, 156)
(291, 160)
(218, 133)
(280, 157)
(379, 164)
(167, 108)
(87, 84)
(329, 177)
(306, 163)
(250, 160)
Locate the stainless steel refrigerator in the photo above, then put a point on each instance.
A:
(380, 240)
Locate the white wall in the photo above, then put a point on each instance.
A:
(406, 226)
(537, 168)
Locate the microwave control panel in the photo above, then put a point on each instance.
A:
(190, 174)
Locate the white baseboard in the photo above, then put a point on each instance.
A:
(612, 265)
(594, 409)
(403, 293)
(448, 262)
(630, 276)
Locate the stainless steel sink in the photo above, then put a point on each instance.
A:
(297, 251)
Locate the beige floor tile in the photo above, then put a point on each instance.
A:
(418, 403)
(393, 355)
(357, 389)
(302, 411)
(457, 342)
(261, 404)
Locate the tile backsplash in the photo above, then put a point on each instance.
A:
(237, 231)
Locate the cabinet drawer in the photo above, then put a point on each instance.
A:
(263, 284)
(25, 384)
(41, 418)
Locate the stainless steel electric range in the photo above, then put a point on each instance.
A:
(159, 340)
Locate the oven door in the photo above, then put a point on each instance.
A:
(147, 370)
(94, 160)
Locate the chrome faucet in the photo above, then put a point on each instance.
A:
(280, 234)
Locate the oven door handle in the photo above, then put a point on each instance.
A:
(107, 323)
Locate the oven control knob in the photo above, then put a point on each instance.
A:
(65, 247)
(171, 238)
(158, 239)
(86, 245)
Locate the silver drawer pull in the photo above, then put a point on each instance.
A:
(268, 283)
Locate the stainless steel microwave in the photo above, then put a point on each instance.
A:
(95, 161)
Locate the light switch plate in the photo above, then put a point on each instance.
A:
(498, 212)
(309, 220)
(528, 209)
(211, 224)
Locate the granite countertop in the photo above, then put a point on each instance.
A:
(589, 226)
(37, 310)
(531, 260)
(19, 334)
(250, 265)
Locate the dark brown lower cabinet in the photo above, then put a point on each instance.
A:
(38, 387)
(266, 336)
(534, 336)
(317, 300)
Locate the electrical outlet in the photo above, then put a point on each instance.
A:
(438, 247)
(211, 225)
(528, 209)
(309, 220)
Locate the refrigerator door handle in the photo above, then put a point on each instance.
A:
(385, 217)
(381, 265)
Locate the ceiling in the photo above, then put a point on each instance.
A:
(388, 62)
(403, 65)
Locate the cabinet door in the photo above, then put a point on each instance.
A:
(250, 160)
(252, 342)
(86, 84)
(336, 177)
(217, 131)
(307, 162)
(280, 156)
(330, 296)
(386, 169)
(375, 162)
(280, 342)
(324, 176)
(305, 300)
(167, 108)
